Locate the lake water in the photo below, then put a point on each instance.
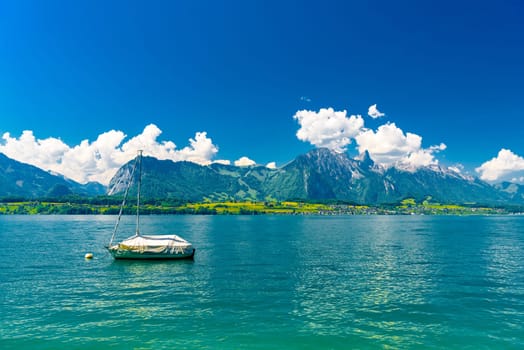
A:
(266, 282)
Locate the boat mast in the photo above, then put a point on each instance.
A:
(138, 193)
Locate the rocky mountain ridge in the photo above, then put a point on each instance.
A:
(320, 174)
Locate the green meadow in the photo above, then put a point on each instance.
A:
(158, 207)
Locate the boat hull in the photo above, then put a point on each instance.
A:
(141, 255)
(153, 247)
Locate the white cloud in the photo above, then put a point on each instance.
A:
(95, 161)
(28, 149)
(459, 168)
(147, 141)
(271, 165)
(222, 161)
(417, 159)
(505, 166)
(244, 161)
(200, 150)
(100, 159)
(518, 180)
(328, 128)
(389, 146)
(438, 148)
(374, 113)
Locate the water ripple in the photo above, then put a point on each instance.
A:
(267, 282)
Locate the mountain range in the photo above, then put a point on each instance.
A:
(320, 174)
(27, 181)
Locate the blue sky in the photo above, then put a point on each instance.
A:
(450, 72)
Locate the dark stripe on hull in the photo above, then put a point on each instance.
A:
(152, 256)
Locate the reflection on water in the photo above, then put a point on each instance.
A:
(267, 282)
(367, 286)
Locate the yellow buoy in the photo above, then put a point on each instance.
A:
(89, 256)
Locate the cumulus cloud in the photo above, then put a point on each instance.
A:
(374, 113)
(27, 149)
(390, 146)
(271, 165)
(459, 168)
(244, 161)
(438, 148)
(100, 159)
(328, 128)
(505, 166)
(147, 141)
(200, 150)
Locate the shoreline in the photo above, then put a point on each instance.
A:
(407, 207)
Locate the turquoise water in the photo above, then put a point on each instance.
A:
(266, 282)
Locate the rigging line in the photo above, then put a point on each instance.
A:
(123, 202)
(113, 189)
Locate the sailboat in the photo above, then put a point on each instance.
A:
(141, 246)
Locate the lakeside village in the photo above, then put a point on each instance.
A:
(111, 206)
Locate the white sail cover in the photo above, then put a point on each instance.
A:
(167, 244)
